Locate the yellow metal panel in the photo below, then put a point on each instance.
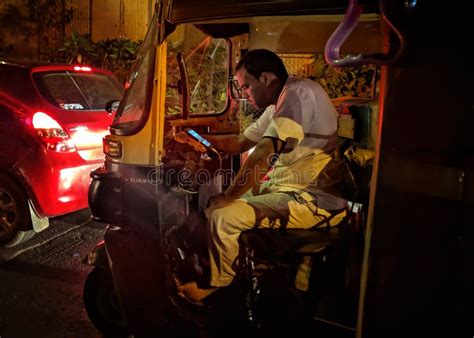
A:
(134, 147)
(308, 34)
(159, 97)
(146, 147)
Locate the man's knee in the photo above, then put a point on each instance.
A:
(216, 219)
(228, 220)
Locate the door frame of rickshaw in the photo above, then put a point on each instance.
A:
(153, 132)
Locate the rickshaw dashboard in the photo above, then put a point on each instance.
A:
(187, 168)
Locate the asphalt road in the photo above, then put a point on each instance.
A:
(41, 281)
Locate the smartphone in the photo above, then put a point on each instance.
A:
(199, 138)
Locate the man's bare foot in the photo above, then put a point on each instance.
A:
(193, 292)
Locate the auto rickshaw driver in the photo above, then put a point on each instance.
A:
(295, 136)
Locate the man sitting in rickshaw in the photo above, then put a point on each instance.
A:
(295, 137)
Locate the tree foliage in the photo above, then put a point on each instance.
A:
(41, 21)
(357, 81)
(116, 55)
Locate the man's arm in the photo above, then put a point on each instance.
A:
(253, 169)
(231, 144)
(250, 174)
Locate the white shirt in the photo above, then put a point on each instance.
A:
(305, 118)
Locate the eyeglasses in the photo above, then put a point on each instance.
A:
(236, 91)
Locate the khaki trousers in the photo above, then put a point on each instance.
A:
(271, 210)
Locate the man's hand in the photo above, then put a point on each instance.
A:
(217, 202)
(183, 137)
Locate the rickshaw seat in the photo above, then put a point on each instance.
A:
(282, 246)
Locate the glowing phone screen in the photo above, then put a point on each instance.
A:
(198, 137)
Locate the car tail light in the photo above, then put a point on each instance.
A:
(52, 134)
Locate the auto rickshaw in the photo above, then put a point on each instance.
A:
(408, 248)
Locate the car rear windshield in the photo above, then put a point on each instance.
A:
(78, 91)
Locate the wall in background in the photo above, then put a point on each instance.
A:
(102, 19)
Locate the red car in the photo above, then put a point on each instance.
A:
(52, 120)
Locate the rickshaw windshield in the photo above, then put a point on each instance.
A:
(197, 67)
(134, 108)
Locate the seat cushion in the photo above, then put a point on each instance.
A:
(282, 246)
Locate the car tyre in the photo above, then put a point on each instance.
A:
(15, 219)
(102, 305)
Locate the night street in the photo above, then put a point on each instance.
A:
(42, 281)
(236, 169)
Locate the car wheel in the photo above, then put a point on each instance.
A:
(101, 303)
(14, 212)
